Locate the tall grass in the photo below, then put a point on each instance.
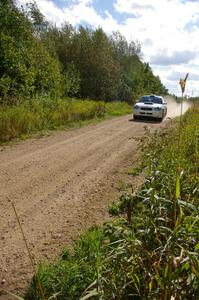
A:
(141, 255)
(45, 113)
(118, 108)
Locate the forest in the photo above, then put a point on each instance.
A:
(37, 58)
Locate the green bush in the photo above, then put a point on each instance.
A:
(72, 273)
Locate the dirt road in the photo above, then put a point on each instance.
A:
(61, 184)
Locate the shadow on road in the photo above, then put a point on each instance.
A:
(145, 120)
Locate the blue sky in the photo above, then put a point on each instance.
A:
(168, 31)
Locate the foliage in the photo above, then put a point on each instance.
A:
(26, 68)
(117, 108)
(146, 253)
(48, 113)
(37, 58)
(66, 278)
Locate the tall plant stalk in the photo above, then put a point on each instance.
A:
(29, 252)
(179, 154)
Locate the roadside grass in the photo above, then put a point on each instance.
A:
(44, 114)
(135, 170)
(117, 108)
(123, 185)
(151, 250)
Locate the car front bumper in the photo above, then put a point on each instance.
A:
(146, 113)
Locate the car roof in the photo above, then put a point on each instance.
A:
(152, 96)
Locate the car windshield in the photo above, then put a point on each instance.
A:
(153, 99)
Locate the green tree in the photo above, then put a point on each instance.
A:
(26, 67)
(36, 57)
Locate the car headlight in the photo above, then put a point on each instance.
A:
(158, 108)
(136, 106)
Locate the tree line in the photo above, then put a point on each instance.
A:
(39, 58)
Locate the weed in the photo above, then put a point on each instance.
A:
(136, 170)
(123, 186)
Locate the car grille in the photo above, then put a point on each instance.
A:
(147, 108)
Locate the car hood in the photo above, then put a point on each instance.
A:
(148, 105)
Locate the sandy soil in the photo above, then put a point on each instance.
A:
(61, 184)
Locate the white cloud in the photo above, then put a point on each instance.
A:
(135, 7)
(48, 9)
(78, 11)
(165, 58)
(164, 24)
(167, 29)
